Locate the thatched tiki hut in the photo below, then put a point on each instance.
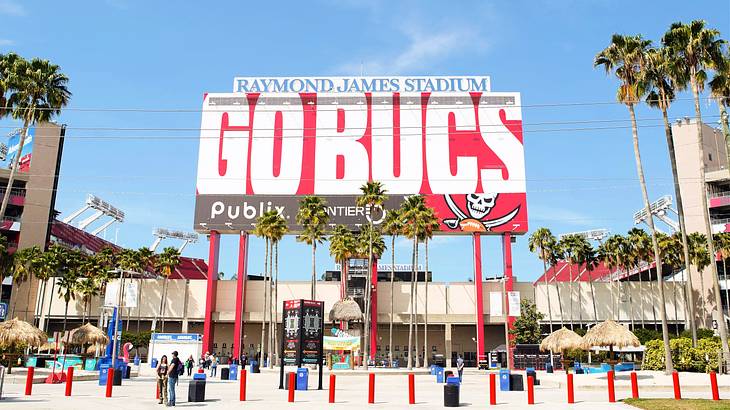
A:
(88, 334)
(561, 341)
(345, 310)
(16, 333)
(610, 333)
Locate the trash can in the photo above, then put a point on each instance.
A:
(255, 366)
(440, 375)
(103, 373)
(128, 372)
(196, 390)
(515, 382)
(504, 379)
(433, 369)
(153, 363)
(447, 373)
(302, 378)
(451, 395)
(453, 380)
(199, 376)
(136, 360)
(530, 372)
(233, 372)
(224, 373)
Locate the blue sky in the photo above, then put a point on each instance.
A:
(165, 55)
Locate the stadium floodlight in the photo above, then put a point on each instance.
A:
(592, 235)
(161, 233)
(102, 208)
(659, 208)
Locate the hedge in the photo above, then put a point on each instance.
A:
(702, 358)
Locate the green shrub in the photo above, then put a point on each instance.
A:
(646, 335)
(702, 333)
(702, 358)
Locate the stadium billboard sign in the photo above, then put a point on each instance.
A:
(455, 142)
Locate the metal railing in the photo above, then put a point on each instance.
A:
(14, 191)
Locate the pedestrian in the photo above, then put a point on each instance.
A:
(213, 365)
(460, 367)
(176, 368)
(207, 360)
(189, 365)
(201, 363)
(162, 368)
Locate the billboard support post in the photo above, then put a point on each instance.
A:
(210, 294)
(374, 309)
(478, 294)
(241, 281)
(508, 287)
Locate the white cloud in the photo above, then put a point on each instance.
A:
(12, 8)
(424, 48)
(6, 42)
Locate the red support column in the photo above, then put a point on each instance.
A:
(240, 294)
(29, 381)
(508, 287)
(374, 311)
(478, 295)
(213, 252)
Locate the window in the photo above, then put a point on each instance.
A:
(224, 345)
(433, 348)
(215, 345)
(710, 154)
(377, 348)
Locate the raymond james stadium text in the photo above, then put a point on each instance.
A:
(360, 84)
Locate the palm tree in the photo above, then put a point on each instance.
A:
(106, 259)
(165, 264)
(393, 226)
(697, 48)
(372, 196)
(412, 211)
(430, 224)
(68, 280)
(699, 256)
(7, 68)
(613, 252)
(23, 269)
(664, 75)
(584, 255)
(37, 93)
(313, 218)
(670, 247)
(277, 230)
(624, 57)
(50, 266)
(722, 244)
(720, 91)
(262, 230)
(570, 244)
(555, 255)
(541, 242)
(591, 261)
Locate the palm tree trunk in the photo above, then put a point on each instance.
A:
(706, 216)
(164, 303)
(65, 316)
(655, 244)
(547, 289)
(727, 290)
(271, 303)
(15, 302)
(425, 308)
(410, 321)
(262, 349)
(368, 296)
(724, 123)
(682, 227)
(16, 161)
(392, 293)
(139, 304)
(314, 270)
(631, 303)
(560, 300)
(275, 299)
(50, 304)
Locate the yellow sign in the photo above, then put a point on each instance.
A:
(341, 343)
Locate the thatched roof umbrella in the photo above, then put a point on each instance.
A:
(95, 349)
(561, 341)
(610, 333)
(17, 332)
(52, 345)
(88, 334)
(345, 310)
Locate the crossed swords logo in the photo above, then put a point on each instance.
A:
(478, 206)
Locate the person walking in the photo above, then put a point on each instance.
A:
(189, 365)
(460, 367)
(162, 368)
(213, 365)
(176, 368)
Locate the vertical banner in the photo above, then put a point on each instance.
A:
(513, 299)
(495, 304)
(312, 333)
(291, 315)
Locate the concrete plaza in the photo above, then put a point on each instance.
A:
(391, 391)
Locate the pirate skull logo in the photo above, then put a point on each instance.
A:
(479, 205)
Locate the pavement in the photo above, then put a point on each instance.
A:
(391, 392)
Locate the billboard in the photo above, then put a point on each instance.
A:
(274, 140)
(302, 332)
(14, 145)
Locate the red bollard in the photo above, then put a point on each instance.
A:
(109, 382)
(157, 391)
(713, 384)
(69, 380)
(571, 397)
(530, 390)
(634, 386)
(242, 392)
(611, 388)
(411, 388)
(292, 386)
(29, 381)
(332, 388)
(492, 389)
(675, 381)
(371, 388)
